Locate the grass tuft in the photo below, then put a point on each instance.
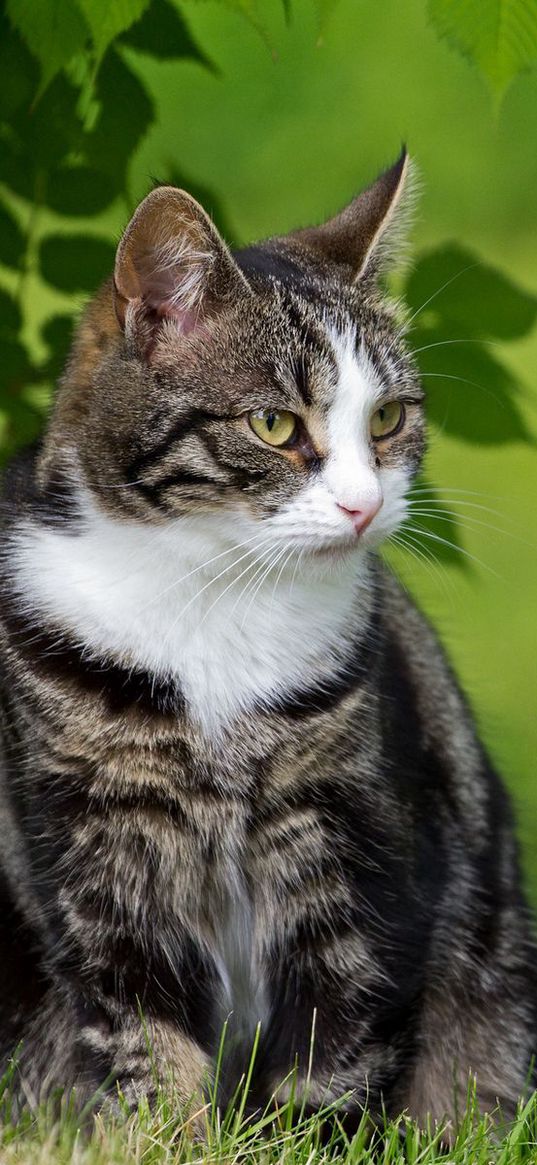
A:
(52, 1135)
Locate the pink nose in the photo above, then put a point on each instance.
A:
(361, 519)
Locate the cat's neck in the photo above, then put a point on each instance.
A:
(227, 616)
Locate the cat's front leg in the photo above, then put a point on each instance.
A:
(70, 1045)
(361, 1041)
(336, 1040)
(477, 1042)
(132, 990)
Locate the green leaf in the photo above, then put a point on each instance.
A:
(57, 334)
(499, 36)
(49, 158)
(161, 32)
(76, 263)
(12, 240)
(16, 371)
(461, 288)
(22, 424)
(250, 10)
(25, 389)
(79, 190)
(50, 130)
(53, 30)
(461, 309)
(39, 140)
(18, 70)
(470, 393)
(106, 19)
(121, 124)
(10, 317)
(39, 396)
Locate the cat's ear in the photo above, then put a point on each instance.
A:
(172, 265)
(370, 233)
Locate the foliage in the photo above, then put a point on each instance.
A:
(73, 112)
(499, 36)
(56, 30)
(464, 310)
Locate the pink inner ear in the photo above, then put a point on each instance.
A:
(172, 278)
(185, 319)
(171, 264)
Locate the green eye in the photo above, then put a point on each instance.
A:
(276, 428)
(387, 420)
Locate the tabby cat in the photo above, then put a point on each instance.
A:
(238, 778)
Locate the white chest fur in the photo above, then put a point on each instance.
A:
(238, 957)
(193, 600)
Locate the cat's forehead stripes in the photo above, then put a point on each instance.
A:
(158, 422)
(345, 346)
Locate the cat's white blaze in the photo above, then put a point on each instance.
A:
(349, 476)
(220, 602)
(348, 472)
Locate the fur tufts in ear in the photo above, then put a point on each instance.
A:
(172, 264)
(370, 233)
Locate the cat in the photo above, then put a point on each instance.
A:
(238, 778)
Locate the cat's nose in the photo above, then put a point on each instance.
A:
(362, 518)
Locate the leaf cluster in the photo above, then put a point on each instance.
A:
(498, 36)
(73, 112)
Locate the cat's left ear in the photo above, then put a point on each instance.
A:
(172, 266)
(370, 233)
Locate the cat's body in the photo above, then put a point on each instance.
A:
(237, 775)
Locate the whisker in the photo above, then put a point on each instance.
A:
(432, 498)
(119, 485)
(413, 551)
(251, 581)
(297, 563)
(406, 327)
(279, 575)
(444, 343)
(226, 589)
(464, 380)
(448, 282)
(208, 584)
(431, 563)
(142, 559)
(465, 519)
(452, 545)
(273, 562)
(461, 490)
(203, 565)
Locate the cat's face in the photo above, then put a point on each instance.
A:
(270, 393)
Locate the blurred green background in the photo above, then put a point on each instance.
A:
(277, 118)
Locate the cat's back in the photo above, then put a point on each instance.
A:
(429, 736)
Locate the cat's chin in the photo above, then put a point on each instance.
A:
(336, 551)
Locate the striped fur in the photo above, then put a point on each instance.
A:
(237, 776)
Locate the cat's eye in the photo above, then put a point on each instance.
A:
(387, 420)
(273, 426)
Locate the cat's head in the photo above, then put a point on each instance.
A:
(267, 390)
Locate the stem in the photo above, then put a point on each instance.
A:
(28, 265)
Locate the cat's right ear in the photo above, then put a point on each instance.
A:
(172, 265)
(369, 235)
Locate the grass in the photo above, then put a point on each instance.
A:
(51, 1135)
